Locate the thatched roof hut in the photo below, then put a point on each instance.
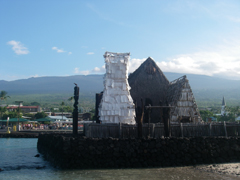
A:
(180, 96)
(149, 83)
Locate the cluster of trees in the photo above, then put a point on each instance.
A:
(232, 113)
(62, 107)
(4, 114)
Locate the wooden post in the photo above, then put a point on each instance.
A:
(149, 118)
(181, 126)
(153, 131)
(120, 130)
(75, 111)
(210, 129)
(225, 128)
(140, 119)
(166, 120)
(238, 129)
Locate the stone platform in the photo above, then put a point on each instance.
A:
(65, 151)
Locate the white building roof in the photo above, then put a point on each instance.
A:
(58, 117)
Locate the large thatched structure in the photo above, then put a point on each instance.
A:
(150, 84)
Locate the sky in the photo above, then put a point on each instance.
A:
(65, 38)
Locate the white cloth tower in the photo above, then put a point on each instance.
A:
(116, 105)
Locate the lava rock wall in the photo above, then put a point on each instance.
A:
(83, 153)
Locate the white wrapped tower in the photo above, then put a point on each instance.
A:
(116, 105)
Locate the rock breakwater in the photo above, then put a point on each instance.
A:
(82, 153)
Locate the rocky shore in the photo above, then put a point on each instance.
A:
(224, 169)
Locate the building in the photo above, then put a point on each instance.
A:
(150, 84)
(223, 109)
(68, 115)
(25, 109)
(211, 119)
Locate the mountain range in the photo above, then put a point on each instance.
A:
(204, 87)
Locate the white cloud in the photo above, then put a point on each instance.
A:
(69, 53)
(85, 72)
(18, 47)
(58, 50)
(90, 53)
(222, 61)
(36, 75)
(76, 70)
(96, 70)
(135, 63)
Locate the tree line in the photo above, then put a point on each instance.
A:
(231, 115)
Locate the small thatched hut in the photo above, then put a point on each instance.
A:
(150, 84)
(180, 96)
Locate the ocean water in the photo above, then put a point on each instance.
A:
(18, 162)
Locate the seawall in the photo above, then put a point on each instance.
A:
(65, 151)
(19, 135)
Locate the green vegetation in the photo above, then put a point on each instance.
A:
(232, 113)
(40, 115)
(3, 96)
(2, 111)
(213, 97)
(86, 100)
(206, 114)
(208, 102)
(11, 114)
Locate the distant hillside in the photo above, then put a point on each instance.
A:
(48, 85)
(205, 88)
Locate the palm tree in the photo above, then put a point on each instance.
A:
(3, 96)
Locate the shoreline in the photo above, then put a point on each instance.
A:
(232, 169)
(34, 133)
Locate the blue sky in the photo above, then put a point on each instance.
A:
(63, 38)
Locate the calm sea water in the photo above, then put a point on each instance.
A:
(18, 162)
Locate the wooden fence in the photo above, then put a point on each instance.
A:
(157, 130)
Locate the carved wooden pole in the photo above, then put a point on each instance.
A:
(75, 111)
(97, 103)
